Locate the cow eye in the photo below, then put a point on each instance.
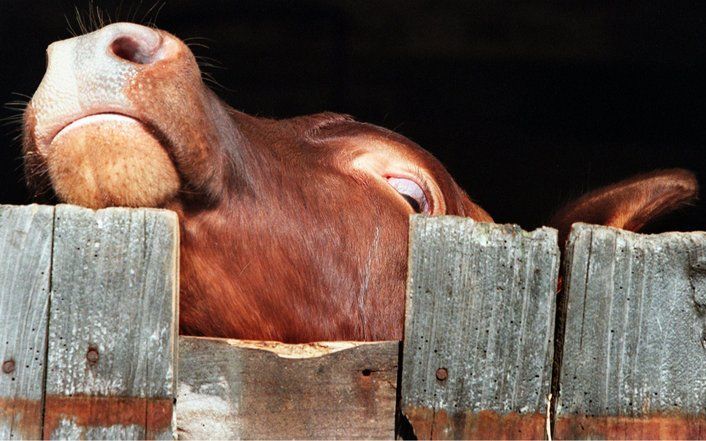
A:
(411, 192)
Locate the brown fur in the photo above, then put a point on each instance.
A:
(111, 164)
(316, 251)
(289, 230)
(629, 204)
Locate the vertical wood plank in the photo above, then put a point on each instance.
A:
(232, 389)
(113, 324)
(634, 364)
(25, 259)
(479, 329)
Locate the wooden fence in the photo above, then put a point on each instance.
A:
(88, 339)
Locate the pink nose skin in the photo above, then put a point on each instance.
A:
(134, 43)
(90, 74)
(125, 41)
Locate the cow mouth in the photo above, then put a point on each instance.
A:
(94, 119)
(104, 159)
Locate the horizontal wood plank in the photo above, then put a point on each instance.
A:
(230, 389)
(479, 329)
(634, 363)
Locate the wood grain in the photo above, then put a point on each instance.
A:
(230, 389)
(634, 362)
(479, 329)
(25, 259)
(113, 318)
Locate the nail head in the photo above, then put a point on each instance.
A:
(92, 355)
(9, 366)
(442, 374)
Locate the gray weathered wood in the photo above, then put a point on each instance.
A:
(25, 258)
(634, 362)
(112, 329)
(480, 304)
(232, 389)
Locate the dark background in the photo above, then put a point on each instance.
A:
(528, 104)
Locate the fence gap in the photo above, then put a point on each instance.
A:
(560, 327)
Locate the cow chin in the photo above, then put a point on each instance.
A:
(115, 162)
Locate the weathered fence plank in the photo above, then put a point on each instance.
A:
(112, 328)
(88, 305)
(232, 389)
(25, 258)
(479, 329)
(634, 364)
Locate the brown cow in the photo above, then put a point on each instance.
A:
(292, 230)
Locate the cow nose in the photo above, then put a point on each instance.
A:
(124, 43)
(94, 72)
(132, 42)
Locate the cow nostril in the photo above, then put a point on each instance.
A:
(131, 50)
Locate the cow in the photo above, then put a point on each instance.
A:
(293, 230)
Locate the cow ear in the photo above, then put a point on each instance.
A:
(629, 204)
